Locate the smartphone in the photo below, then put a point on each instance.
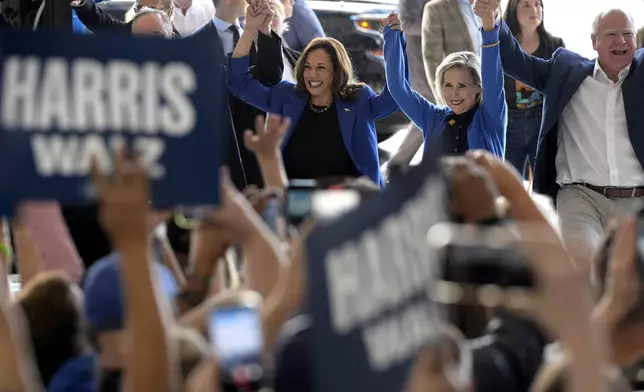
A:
(298, 200)
(480, 256)
(332, 203)
(237, 338)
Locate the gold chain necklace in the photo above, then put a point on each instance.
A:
(318, 110)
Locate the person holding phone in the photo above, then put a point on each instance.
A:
(333, 132)
(473, 114)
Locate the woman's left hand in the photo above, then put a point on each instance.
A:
(393, 21)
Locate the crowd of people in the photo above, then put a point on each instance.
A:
(122, 295)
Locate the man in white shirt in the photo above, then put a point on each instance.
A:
(591, 147)
(448, 26)
(595, 150)
(226, 20)
(192, 15)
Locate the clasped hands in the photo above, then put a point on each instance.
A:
(259, 15)
(393, 21)
(486, 9)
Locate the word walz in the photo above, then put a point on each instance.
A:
(72, 155)
(87, 95)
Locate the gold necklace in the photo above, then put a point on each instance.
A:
(318, 110)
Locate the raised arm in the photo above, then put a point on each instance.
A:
(432, 42)
(530, 70)
(416, 107)
(494, 103)
(243, 85)
(242, 80)
(95, 19)
(269, 64)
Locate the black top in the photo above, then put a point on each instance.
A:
(453, 139)
(316, 148)
(518, 95)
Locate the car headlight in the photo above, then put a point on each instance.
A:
(368, 22)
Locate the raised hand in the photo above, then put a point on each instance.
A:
(487, 10)
(235, 214)
(267, 139)
(267, 9)
(124, 198)
(506, 177)
(254, 18)
(393, 21)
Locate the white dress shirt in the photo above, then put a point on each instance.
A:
(594, 146)
(196, 17)
(288, 75)
(473, 23)
(226, 36)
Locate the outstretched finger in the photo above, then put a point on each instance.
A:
(274, 121)
(285, 125)
(259, 124)
(249, 139)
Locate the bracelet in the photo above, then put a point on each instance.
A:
(491, 45)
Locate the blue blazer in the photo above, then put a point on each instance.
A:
(488, 127)
(558, 79)
(356, 117)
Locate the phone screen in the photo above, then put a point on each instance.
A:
(298, 204)
(237, 338)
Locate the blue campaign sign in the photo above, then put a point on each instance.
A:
(66, 97)
(369, 276)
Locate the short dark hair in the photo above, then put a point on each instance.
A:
(55, 319)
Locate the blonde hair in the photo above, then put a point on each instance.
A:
(462, 60)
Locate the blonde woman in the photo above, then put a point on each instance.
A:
(470, 116)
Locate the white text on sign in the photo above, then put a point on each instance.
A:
(82, 98)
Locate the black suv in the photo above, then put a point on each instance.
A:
(355, 24)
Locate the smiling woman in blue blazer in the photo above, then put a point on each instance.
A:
(474, 111)
(332, 131)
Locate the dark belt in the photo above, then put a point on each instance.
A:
(616, 192)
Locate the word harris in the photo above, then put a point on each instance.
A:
(82, 108)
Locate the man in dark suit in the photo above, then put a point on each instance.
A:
(591, 145)
(267, 68)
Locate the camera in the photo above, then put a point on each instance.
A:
(480, 256)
